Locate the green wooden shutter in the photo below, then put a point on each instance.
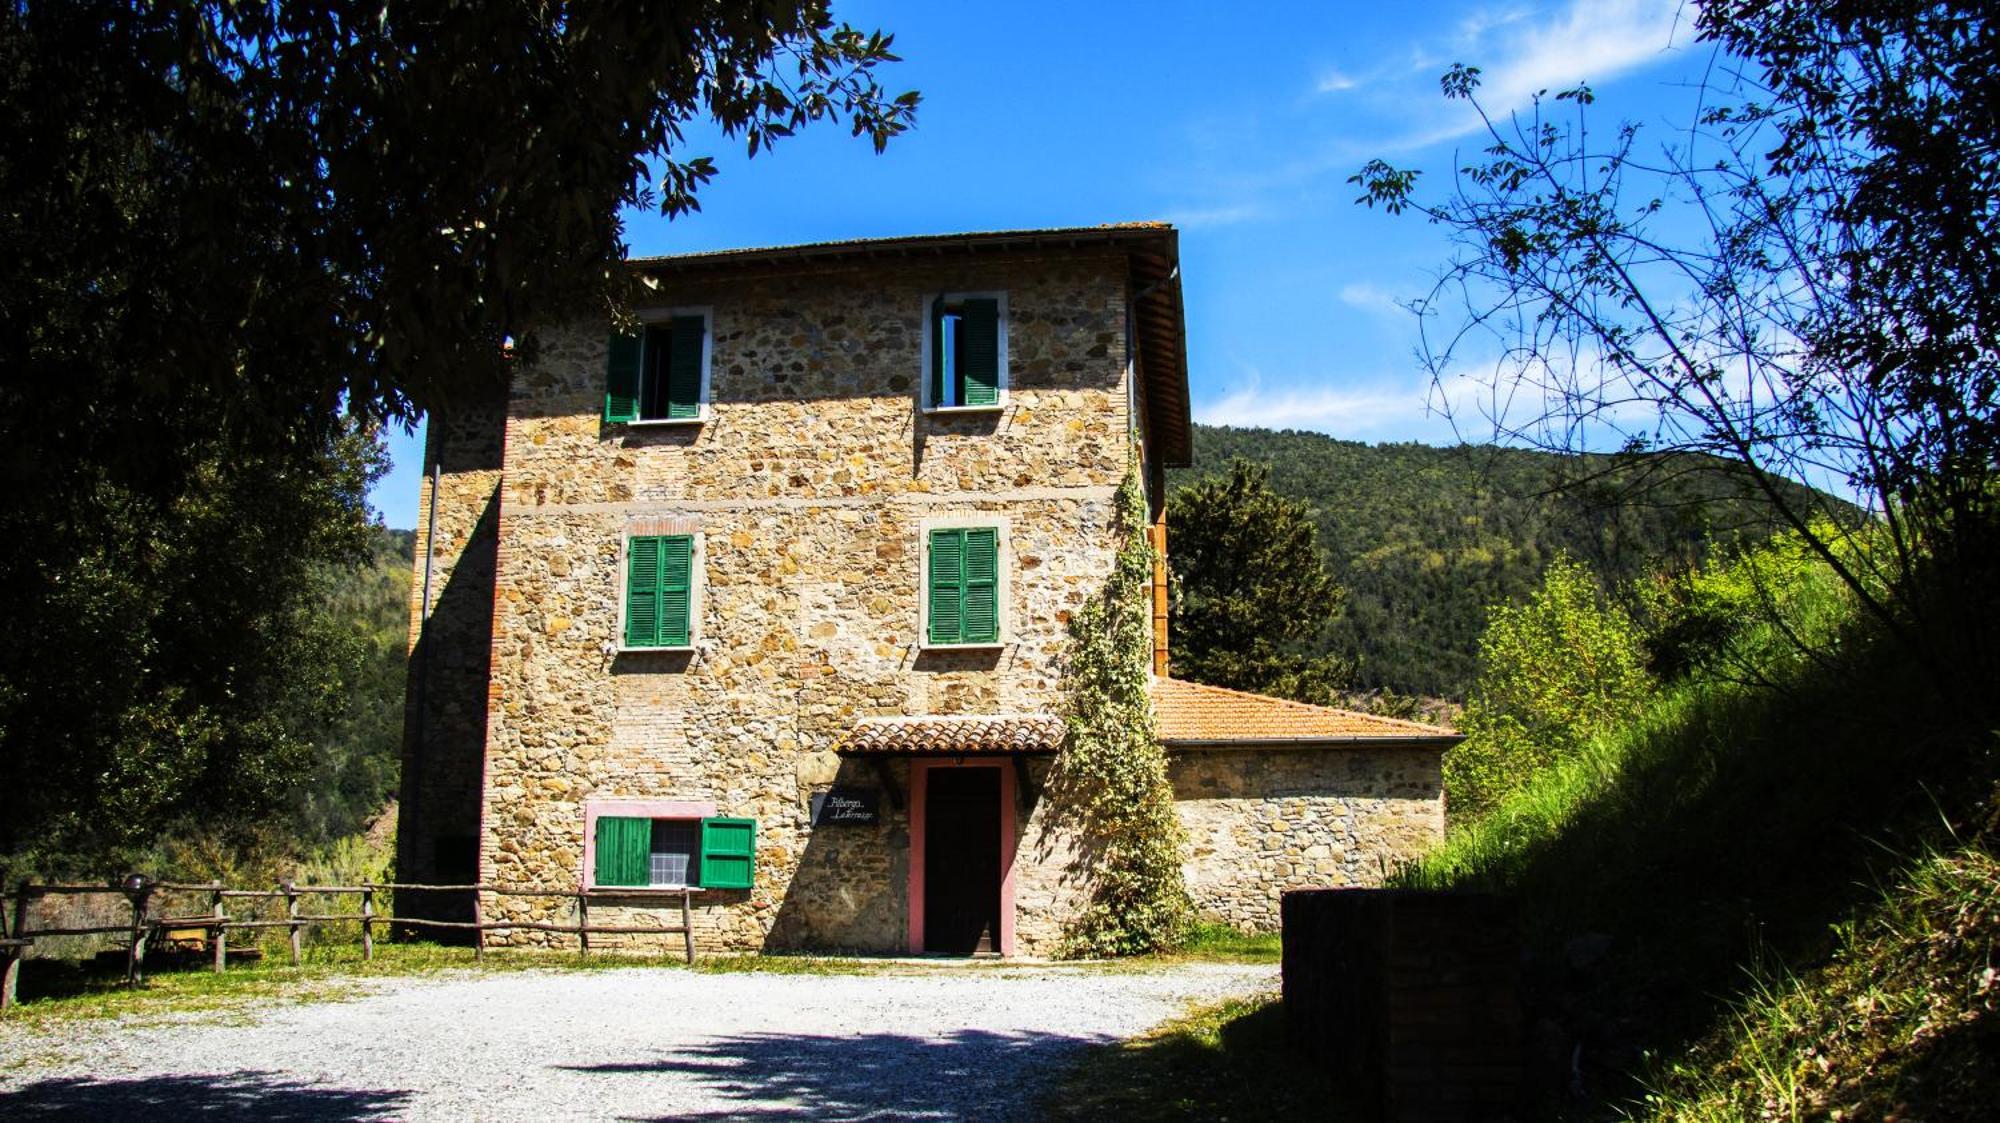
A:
(621, 377)
(947, 586)
(684, 367)
(981, 615)
(937, 352)
(676, 589)
(728, 853)
(982, 352)
(624, 850)
(642, 592)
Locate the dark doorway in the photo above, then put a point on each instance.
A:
(962, 861)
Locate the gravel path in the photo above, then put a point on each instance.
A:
(645, 1043)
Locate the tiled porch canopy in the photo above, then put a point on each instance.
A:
(1190, 715)
(953, 735)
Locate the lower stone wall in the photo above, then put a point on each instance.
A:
(828, 888)
(1261, 821)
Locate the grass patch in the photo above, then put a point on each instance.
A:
(1220, 943)
(1228, 1061)
(55, 992)
(1691, 874)
(1902, 1022)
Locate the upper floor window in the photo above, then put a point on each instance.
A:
(965, 351)
(660, 589)
(962, 579)
(660, 373)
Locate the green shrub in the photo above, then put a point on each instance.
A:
(1554, 672)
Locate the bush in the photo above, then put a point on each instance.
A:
(1553, 673)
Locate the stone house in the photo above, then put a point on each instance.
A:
(769, 599)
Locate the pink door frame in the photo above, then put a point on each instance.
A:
(920, 771)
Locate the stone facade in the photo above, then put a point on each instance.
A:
(808, 486)
(1262, 821)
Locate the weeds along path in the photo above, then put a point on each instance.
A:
(975, 1042)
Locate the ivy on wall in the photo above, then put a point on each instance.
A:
(1111, 776)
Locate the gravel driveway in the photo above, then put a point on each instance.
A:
(644, 1043)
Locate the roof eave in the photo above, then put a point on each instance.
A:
(1443, 741)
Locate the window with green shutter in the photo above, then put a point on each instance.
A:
(639, 852)
(728, 853)
(657, 374)
(967, 351)
(963, 597)
(659, 590)
(624, 851)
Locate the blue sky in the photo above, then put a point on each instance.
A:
(1242, 132)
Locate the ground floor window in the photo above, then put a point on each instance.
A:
(671, 853)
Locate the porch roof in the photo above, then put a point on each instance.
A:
(953, 735)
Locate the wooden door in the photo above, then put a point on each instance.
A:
(962, 861)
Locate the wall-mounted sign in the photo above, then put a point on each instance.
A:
(843, 807)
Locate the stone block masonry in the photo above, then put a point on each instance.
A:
(1263, 821)
(808, 485)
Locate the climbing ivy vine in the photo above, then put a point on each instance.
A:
(1111, 777)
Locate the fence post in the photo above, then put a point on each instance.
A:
(20, 911)
(220, 945)
(582, 924)
(10, 978)
(368, 922)
(292, 914)
(687, 926)
(478, 924)
(138, 891)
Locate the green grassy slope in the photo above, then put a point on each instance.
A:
(1729, 841)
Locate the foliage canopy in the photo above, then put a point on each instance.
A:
(1252, 593)
(241, 237)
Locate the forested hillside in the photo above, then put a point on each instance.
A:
(356, 759)
(1425, 538)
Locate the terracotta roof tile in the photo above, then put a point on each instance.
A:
(1191, 713)
(954, 735)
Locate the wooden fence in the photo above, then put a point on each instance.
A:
(147, 927)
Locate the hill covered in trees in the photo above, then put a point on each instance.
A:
(1424, 539)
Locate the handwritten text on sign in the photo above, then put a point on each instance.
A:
(842, 807)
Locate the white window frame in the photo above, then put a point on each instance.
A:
(652, 316)
(697, 589)
(1003, 587)
(999, 296)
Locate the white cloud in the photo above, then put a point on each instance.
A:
(1195, 218)
(1351, 409)
(1520, 55)
(1594, 40)
(1334, 81)
(1366, 296)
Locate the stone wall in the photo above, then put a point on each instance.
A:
(1261, 821)
(445, 700)
(808, 485)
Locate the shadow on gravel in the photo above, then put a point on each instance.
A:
(237, 1095)
(971, 1074)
